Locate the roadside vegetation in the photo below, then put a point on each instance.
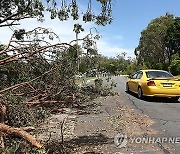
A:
(159, 48)
(37, 76)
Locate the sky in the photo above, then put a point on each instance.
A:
(131, 17)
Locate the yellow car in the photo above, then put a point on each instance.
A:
(156, 83)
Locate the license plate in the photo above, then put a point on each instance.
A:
(167, 84)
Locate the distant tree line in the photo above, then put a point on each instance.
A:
(110, 65)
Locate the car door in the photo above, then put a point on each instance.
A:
(137, 81)
(132, 82)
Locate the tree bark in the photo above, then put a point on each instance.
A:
(3, 116)
(20, 133)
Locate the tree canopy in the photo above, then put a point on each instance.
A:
(172, 39)
(159, 45)
(12, 11)
(152, 49)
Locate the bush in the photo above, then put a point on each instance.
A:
(174, 68)
(98, 82)
(19, 114)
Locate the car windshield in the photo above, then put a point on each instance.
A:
(157, 74)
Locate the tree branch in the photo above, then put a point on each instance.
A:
(16, 14)
(3, 115)
(20, 133)
(9, 25)
(14, 58)
(35, 103)
(24, 83)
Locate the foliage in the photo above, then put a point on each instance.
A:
(98, 82)
(172, 39)
(131, 68)
(12, 11)
(174, 68)
(16, 145)
(152, 50)
(116, 65)
(159, 45)
(34, 70)
(78, 28)
(99, 88)
(20, 115)
(87, 63)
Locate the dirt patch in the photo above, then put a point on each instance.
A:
(92, 128)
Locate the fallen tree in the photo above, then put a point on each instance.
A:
(20, 133)
(36, 74)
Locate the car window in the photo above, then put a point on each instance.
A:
(134, 76)
(156, 74)
(139, 75)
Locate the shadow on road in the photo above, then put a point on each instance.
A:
(154, 99)
(79, 143)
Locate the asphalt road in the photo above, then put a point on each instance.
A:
(165, 113)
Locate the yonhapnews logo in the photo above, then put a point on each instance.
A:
(121, 140)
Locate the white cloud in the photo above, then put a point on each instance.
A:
(111, 50)
(118, 37)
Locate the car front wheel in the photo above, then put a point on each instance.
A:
(127, 88)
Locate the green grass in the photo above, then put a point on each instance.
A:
(84, 79)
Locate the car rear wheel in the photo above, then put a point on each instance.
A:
(127, 88)
(140, 93)
(174, 99)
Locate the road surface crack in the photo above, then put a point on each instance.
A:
(135, 104)
(106, 109)
(163, 148)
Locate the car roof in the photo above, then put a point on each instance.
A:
(147, 70)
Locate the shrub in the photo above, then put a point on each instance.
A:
(174, 68)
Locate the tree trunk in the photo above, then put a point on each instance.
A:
(3, 115)
(20, 133)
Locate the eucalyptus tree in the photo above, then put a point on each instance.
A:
(12, 11)
(152, 49)
(172, 39)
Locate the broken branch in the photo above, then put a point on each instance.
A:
(20, 133)
(34, 103)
